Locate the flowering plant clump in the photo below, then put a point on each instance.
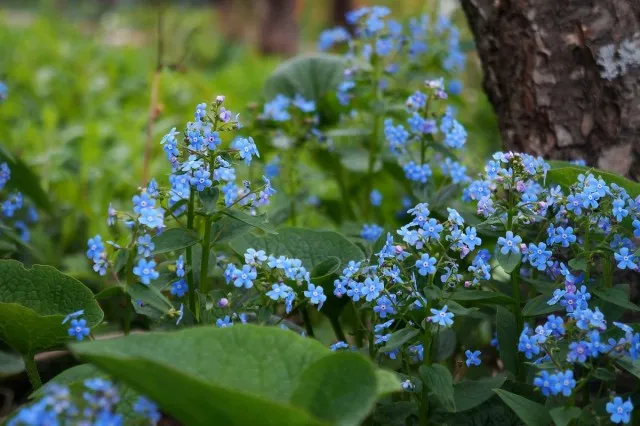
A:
(494, 296)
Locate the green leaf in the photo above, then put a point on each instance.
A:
(399, 338)
(508, 261)
(310, 75)
(326, 269)
(121, 259)
(604, 374)
(255, 221)
(539, 306)
(481, 296)
(115, 290)
(578, 263)
(154, 304)
(566, 174)
(228, 228)
(445, 344)
(70, 376)
(310, 246)
(562, 416)
(24, 180)
(175, 239)
(631, 366)
(439, 381)
(209, 199)
(242, 375)
(531, 413)
(34, 303)
(615, 296)
(469, 394)
(10, 364)
(507, 338)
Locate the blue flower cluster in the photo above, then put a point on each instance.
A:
(4, 91)
(16, 212)
(97, 404)
(197, 164)
(278, 279)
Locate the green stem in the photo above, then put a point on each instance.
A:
(373, 141)
(32, 371)
(204, 261)
(608, 271)
(292, 188)
(515, 288)
(131, 280)
(191, 285)
(306, 318)
(337, 328)
(586, 247)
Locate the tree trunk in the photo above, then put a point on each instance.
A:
(339, 10)
(279, 31)
(564, 77)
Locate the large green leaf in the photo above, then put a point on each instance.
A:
(567, 174)
(563, 416)
(259, 222)
(508, 261)
(33, 303)
(310, 246)
(24, 180)
(242, 375)
(615, 296)
(531, 413)
(228, 228)
(175, 239)
(471, 393)
(10, 364)
(310, 75)
(539, 306)
(481, 296)
(399, 338)
(507, 338)
(437, 378)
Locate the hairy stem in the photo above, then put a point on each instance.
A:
(191, 285)
(306, 318)
(337, 328)
(32, 371)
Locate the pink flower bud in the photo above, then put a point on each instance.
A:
(223, 303)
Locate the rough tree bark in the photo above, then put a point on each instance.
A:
(279, 31)
(540, 60)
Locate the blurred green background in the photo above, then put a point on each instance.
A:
(80, 77)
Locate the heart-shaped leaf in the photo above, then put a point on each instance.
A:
(508, 261)
(255, 221)
(310, 75)
(310, 246)
(175, 239)
(437, 378)
(530, 412)
(243, 375)
(35, 301)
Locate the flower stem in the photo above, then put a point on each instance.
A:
(337, 328)
(306, 318)
(130, 282)
(191, 285)
(32, 371)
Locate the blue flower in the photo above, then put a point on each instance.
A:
(509, 243)
(246, 148)
(528, 345)
(352, 268)
(470, 238)
(636, 228)
(384, 306)
(145, 270)
(574, 204)
(315, 294)
(180, 266)
(201, 180)
(564, 236)
(224, 322)
(339, 345)
(557, 295)
(578, 351)
(555, 324)
(566, 382)
(79, 329)
(73, 315)
(538, 255)
(426, 265)
(371, 232)
(620, 410)
(417, 173)
(473, 358)
(376, 198)
(143, 201)
(625, 259)
(442, 317)
(145, 246)
(245, 277)
(179, 288)
(548, 383)
(152, 218)
(147, 409)
(279, 292)
(432, 229)
(372, 288)
(96, 247)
